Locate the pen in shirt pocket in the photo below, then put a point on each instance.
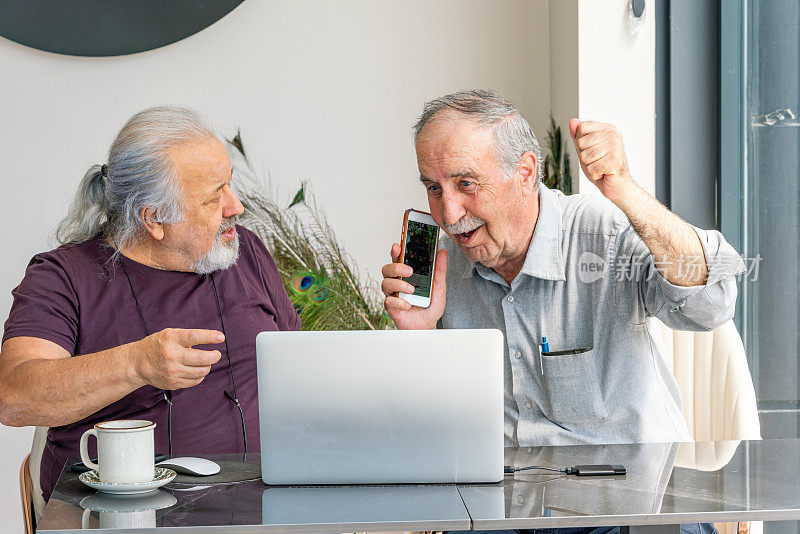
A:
(543, 348)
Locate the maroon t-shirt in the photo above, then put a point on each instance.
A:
(76, 297)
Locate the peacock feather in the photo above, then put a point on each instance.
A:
(321, 279)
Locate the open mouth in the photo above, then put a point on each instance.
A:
(466, 237)
(230, 233)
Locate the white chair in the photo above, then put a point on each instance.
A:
(719, 401)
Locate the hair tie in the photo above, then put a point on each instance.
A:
(104, 172)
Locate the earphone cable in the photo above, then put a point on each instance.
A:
(235, 397)
(167, 394)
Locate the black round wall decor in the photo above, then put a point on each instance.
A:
(106, 27)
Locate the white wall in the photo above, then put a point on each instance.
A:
(600, 71)
(617, 81)
(326, 91)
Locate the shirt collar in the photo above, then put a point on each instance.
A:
(544, 258)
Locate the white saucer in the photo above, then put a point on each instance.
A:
(92, 479)
(104, 502)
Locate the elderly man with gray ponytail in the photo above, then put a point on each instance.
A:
(150, 307)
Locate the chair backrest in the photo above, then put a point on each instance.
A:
(37, 448)
(25, 486)
(719, 402)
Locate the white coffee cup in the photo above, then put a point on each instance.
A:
(124, 450)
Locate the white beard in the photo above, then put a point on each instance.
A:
(222, 254)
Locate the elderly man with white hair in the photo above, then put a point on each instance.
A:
(150, 307)
(583, 271)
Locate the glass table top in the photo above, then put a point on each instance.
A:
(252, 506)
(665, 484)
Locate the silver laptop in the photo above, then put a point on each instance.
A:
(381, 407)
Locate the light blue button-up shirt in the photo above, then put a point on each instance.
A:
(589, 281)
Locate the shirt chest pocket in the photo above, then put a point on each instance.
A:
(573, 388)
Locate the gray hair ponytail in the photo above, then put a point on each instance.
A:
(140, 173)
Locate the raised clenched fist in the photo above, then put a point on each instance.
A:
(602, 157)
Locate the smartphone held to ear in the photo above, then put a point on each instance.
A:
(418, 246)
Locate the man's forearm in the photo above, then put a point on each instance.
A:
(55, 392)
(674, 244)
(671, 241)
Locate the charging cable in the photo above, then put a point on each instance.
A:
(510, 470)
(578, 470)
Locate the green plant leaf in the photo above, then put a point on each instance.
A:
(299, 197)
